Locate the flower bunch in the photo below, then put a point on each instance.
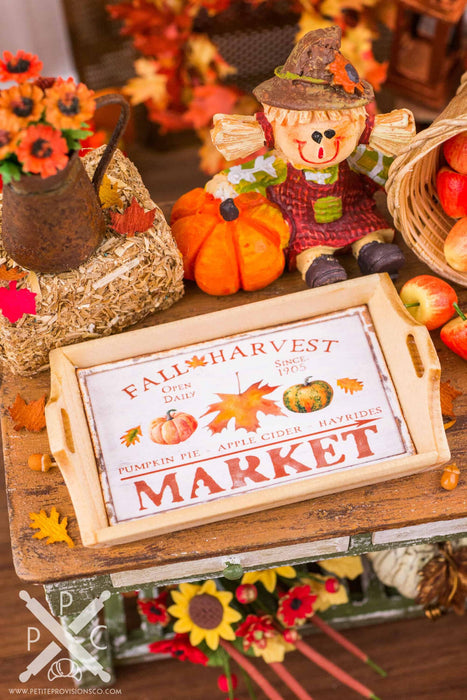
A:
(42, 120)
(213, 623)
(184, 80)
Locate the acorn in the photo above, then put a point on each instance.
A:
(40, 462)
(450, 477)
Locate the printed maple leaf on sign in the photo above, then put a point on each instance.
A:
(243, 408)
(28, 415)
(196, 362)
(133, 220)
(12, 273)
(350, 385)
(50, 526)
(14, 303)
(131, 437)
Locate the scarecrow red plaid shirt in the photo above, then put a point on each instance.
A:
(333, 207)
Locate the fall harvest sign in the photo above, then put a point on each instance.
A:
(244, 420)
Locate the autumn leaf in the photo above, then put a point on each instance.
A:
(108, 194)
(207, 101)
(131, 437)
(148, 85)
(344, 567)
(49, 526)
(243, 408)
(28, 415)
(448, 395)
(350, 385)
(12, 273)
(133, 220)
(14, 303)
(196, 362)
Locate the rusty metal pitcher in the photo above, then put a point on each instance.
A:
(54, 224)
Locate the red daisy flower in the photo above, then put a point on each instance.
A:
(295, 606)
(20, 67)
(155, 610)
(180, 648)
(42, 150)
(256, 630)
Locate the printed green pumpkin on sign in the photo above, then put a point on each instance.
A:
(312, 395)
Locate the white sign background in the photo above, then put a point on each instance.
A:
(144, 478)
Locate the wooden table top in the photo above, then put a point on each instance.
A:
(398, 503)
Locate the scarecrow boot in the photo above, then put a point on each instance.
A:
(324, 269)
(380, 257)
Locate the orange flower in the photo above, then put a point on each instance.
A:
(20, 67)
(7, 142)
(69, 105)
(21, 105)
(42, 150)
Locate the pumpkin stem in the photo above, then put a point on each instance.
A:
(308, 380)
(169, 412)
(229, 210)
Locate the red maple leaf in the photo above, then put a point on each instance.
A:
(133, 220)
(243, 408)
(14, 303)
(209, 100)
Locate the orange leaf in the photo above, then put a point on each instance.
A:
(12, 273)
(448, 395)
(207, 101)
(350, 384)
(196, 362)
(133, 220)
(28, 415)
(49, 526)
(243, 408)
(131, 437)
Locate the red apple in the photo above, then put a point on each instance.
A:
(455, 152)
(429, 299)
(452, 192)
(455, 246)
(454, 334)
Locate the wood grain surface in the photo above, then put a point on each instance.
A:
(397, 503)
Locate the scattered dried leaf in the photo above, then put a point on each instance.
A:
(14, 303)
(108, 194)
(133, 220)
(350, 385)
(12, 273)
(243, 407)
(28, 415)
(448, 395)
(51, 527)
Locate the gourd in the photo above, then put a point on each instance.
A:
(231, 244)
(172, 428)
(312, 395)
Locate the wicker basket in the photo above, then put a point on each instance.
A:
(411, 188)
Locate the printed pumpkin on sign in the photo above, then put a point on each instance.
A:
(231, 244)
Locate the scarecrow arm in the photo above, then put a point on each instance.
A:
(373, 164)
(257, 174)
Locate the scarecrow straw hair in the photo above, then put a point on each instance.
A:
(239, 136)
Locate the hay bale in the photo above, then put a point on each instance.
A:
(126, 279)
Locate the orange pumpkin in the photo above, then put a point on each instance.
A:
(172, 428)
(232, 244)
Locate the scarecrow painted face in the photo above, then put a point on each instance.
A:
(318, 143)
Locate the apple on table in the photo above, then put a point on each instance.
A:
(429, 300)
(454, 334)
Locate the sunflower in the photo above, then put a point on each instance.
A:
(204, 612)
(21, 105)
(20, 67)
(68, 105)
(268, 577)
(42, 150)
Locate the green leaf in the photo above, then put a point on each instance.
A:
(75, 136)
(219, 657)
(10, 170)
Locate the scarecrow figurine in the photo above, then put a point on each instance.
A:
(329, 157)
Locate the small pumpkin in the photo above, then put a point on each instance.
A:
(312, 395)
(172, 428)
(231, 244)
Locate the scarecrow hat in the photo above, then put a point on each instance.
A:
(316, 76)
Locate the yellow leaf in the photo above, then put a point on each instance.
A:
(148, 85)
(325, 599)
(274, 651)
(310, 20)
(108, 194)
(203, 56)
(49, 526)
(344, 567)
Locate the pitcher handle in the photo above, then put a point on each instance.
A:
(103, 101)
